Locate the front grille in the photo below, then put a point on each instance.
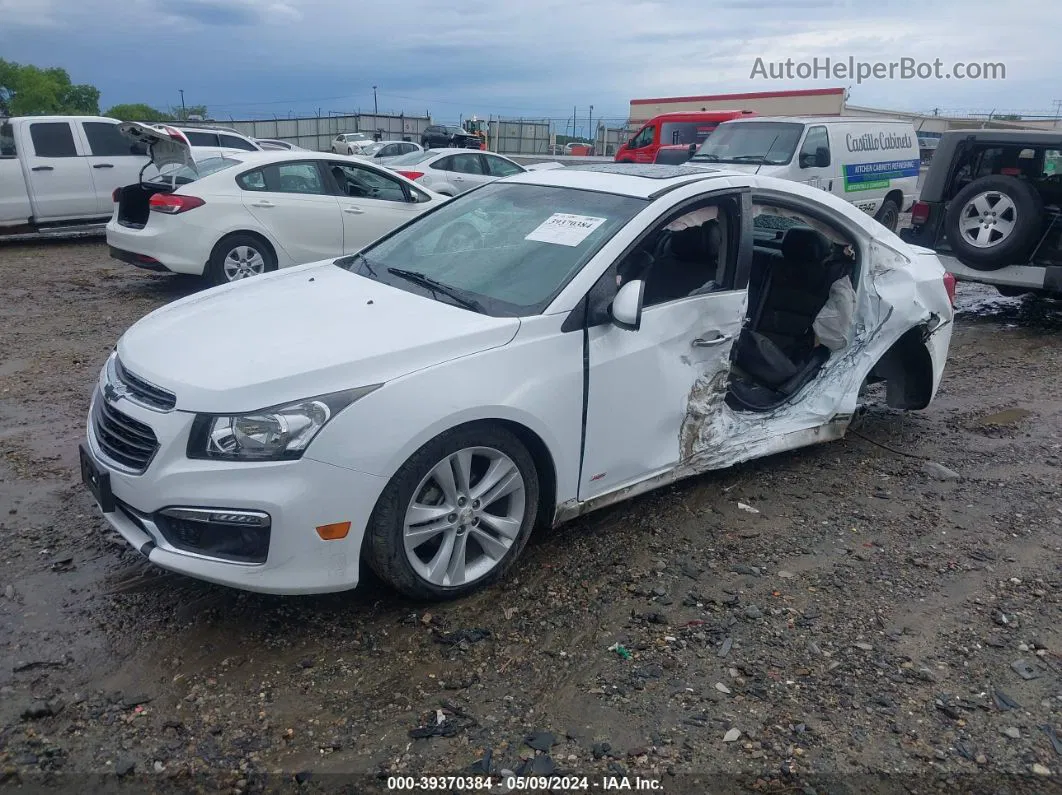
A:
(126, 441)
(143, 392)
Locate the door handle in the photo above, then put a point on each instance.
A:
(719, 339)
(42, 168)
(262, 204)
(104, 165)
(354, 210)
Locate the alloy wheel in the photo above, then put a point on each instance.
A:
(988, 219)
(464, 516)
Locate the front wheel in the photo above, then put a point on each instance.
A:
(456, 515)
(237, 257)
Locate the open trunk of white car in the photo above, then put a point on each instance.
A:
(173, 164)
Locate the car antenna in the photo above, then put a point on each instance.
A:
(764, 158)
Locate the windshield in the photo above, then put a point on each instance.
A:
(410, 159)
(454, 131)
(508, 247)
(769, 142)
(673, 133)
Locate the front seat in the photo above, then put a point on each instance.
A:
(689, 260)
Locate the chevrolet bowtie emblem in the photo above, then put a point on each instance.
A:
(112, 392)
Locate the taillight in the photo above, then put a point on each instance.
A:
(116, 195)
(413, 175)
(173, 203)
(919, 213)
(949, 286)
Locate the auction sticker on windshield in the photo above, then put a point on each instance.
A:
(565, 229)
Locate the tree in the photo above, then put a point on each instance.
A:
(27, 90)
(191, 110)
(138, 111)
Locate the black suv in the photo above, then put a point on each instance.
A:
(440, 136)
(993, 200)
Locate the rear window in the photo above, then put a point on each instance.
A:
(182, 175)
(411, 159)
(196, 138)
(234, 142)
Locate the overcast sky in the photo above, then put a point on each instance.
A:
(250, 58)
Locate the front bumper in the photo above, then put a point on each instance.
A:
(298, 496)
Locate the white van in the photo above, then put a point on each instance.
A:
(872, 163)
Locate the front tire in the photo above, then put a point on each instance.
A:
(239, 256)
(456, 515)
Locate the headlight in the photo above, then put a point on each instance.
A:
(280, 433)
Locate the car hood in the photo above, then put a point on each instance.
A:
(167, 146)
(297, 333)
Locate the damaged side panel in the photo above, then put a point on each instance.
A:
(893, 296)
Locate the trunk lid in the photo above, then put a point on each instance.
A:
(167, 146)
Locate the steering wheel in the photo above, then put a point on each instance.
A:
(460, 236)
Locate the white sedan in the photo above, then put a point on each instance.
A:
(453, 171)
(546, 345)
(248, 213)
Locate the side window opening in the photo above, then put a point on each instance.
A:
(7, 140)
(815, 153)
(53, 139)
(801, 305)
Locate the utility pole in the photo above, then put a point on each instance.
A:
(184, 110)
(375, 106)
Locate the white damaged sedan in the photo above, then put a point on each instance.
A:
(537, 348)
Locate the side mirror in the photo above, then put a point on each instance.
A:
(627, 306)
(693, 149)
(822, 157)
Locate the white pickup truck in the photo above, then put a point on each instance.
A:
(57, 173)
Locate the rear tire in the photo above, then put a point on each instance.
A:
(239, 256)
(431, 544)
(888, 215)
(993, 222)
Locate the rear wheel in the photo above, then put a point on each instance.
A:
(239, 256)
(456, 515)
(888, 215)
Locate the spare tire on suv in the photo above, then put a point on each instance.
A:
(993, 222)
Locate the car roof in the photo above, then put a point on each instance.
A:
(626, 179)
(818, 120)
(1037, 136)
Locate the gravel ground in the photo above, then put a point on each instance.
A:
(887, 620)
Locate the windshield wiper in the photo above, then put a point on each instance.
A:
(438, 287)
(710, 158)
(749, 158)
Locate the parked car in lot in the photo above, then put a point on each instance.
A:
(993, 200)
(450, 171)
(58, 172)
(275, 144)
(873, 163)
(383, 151)
(246, 214)
(350, 143)
(543, 346)
(439, 136)
(681, 128)
(218, 138)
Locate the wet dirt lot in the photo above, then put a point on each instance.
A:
(878, 624)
